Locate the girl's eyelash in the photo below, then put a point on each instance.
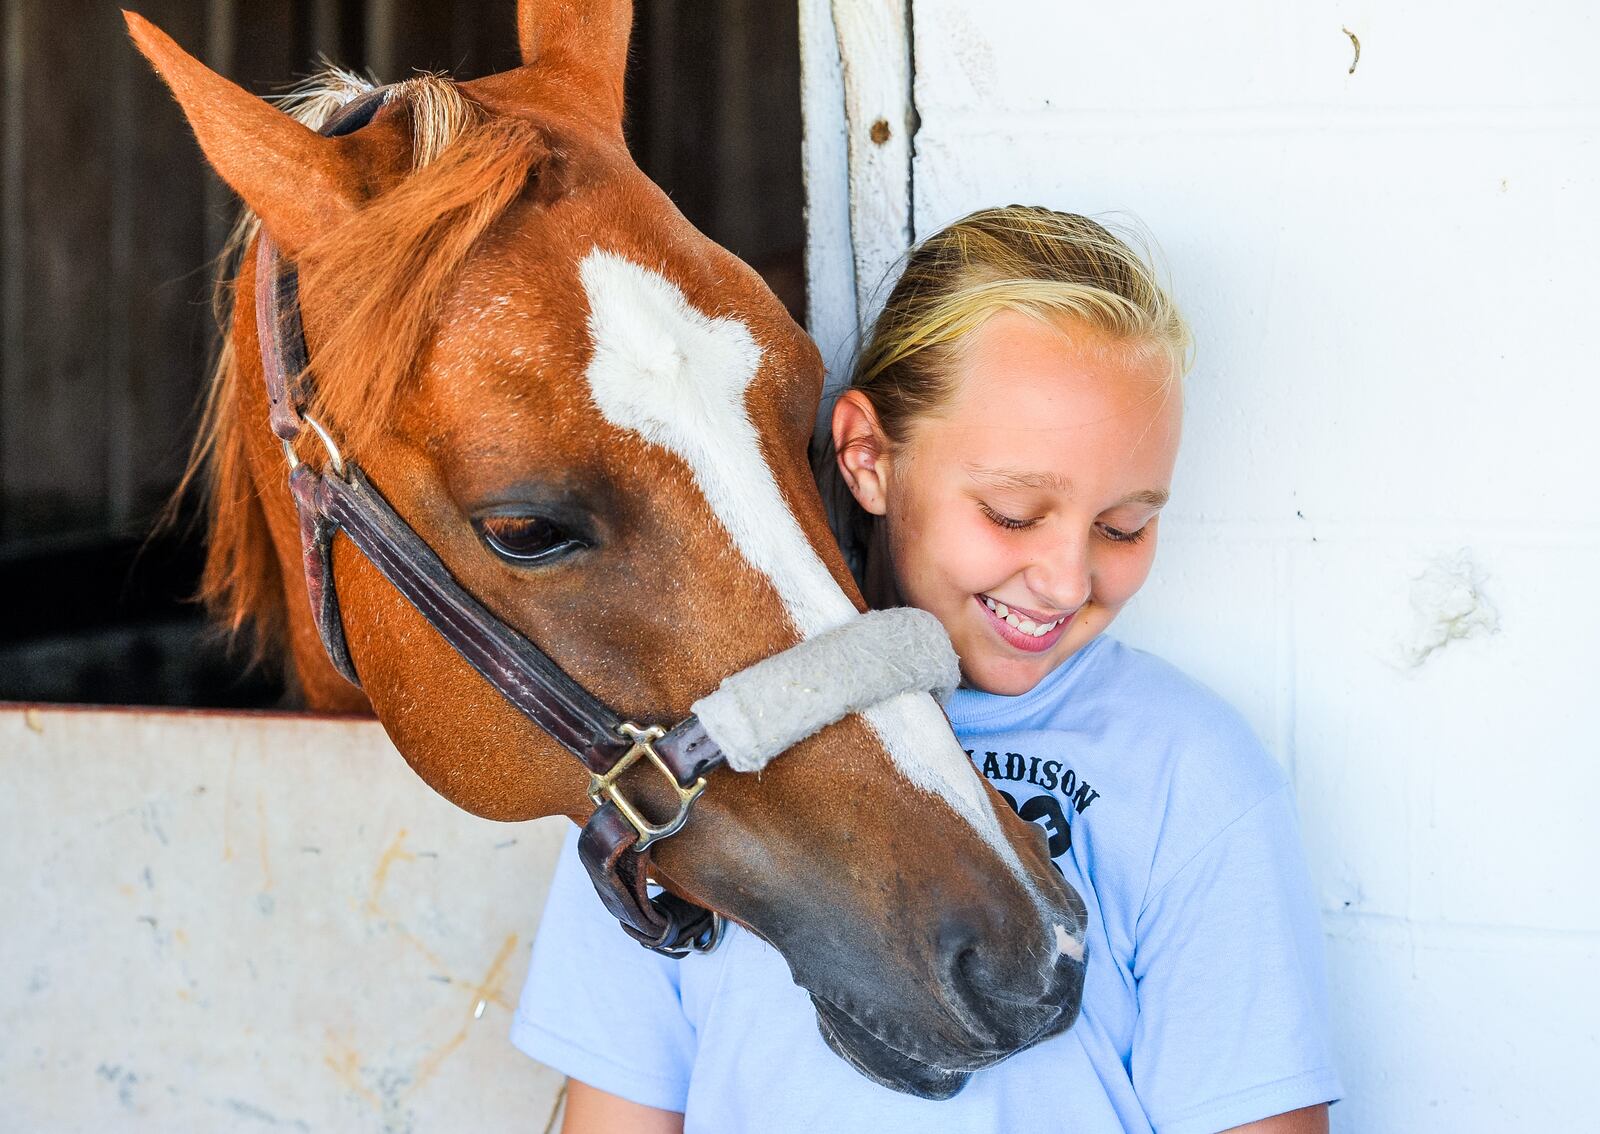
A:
(1115, 535)
(1006, 521)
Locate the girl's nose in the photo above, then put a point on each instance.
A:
(1061, 576)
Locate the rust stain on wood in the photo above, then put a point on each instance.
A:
(345, 1063)
(395, 853)
(429, 1065)
(491, 987)
(417, 943)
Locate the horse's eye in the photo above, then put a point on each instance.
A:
(527, 539)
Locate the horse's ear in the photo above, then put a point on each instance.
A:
(588, 39)
(298, 182)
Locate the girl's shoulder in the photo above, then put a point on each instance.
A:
(1145, 694)
(1203, 752)
(1175, 751)
(1112, 691)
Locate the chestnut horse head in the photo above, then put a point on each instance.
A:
(599, 419)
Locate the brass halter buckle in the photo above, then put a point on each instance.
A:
(603, 788)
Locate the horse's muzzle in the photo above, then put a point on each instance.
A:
(987, 1016)
(915, 1065)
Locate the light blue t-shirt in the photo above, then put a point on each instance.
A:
(1204, 1003)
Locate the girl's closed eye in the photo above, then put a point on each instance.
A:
(1114, 534)
(1005, 521)
(1117, 535)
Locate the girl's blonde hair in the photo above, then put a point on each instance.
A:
(1054, 266)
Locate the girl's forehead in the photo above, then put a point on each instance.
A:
(1053, 364)
(1055, 406)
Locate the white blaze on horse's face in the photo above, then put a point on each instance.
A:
(676, 377)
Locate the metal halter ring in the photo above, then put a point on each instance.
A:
(335, 458)
(603, 788)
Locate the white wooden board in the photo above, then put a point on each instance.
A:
(254, 922)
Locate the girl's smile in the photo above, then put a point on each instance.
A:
(1027, 630)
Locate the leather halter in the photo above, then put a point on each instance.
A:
(615, 841)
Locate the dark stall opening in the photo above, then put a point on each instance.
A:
(109, 226)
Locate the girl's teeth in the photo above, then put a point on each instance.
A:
(1026, 625)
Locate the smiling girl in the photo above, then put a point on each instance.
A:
(1000, 459)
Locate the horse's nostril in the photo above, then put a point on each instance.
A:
(968, 973)
(1000, 989)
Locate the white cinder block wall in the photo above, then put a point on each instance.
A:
(1384, 543)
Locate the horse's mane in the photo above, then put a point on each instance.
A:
(386, 269)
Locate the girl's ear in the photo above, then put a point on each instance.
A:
(863, 451)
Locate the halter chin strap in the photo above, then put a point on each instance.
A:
(752, 716)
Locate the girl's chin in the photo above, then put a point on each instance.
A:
(994, 667)
(1006, 687)
(1006, 676)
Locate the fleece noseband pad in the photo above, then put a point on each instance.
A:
(776, 703)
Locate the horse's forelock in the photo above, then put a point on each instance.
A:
(381, 276)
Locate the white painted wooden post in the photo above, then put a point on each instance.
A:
(875, 58)
(859, 125)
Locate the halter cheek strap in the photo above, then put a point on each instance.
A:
(753, 715)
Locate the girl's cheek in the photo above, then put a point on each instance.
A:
(980, 556)
(1122, 578)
